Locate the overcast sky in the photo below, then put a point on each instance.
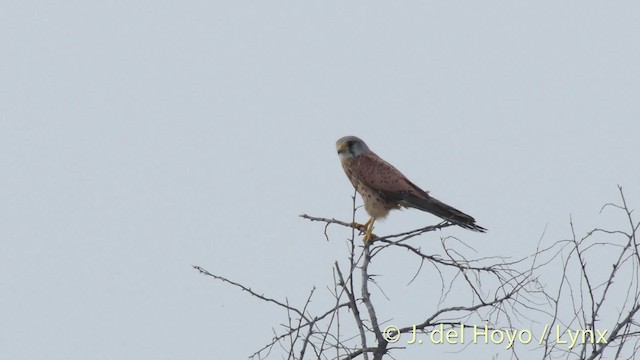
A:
(138, 138)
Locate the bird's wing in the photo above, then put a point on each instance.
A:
(379, 175)
(391, 184)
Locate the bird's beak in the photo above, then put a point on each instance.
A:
(341, 148)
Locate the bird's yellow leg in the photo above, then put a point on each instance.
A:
(362, 227)
(369, 234)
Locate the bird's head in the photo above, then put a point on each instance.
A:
(350, 146)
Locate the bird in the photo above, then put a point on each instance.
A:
(384, 188)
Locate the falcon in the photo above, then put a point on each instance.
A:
(384, 188)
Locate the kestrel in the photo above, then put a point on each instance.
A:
(384, 188)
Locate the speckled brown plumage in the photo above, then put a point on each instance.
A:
(384, 188)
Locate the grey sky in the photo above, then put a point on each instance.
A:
(140, 137)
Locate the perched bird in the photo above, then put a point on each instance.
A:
(384, 188)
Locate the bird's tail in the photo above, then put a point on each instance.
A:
(444, 211)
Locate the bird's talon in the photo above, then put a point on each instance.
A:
(360, 227)
(370, 238)
(369, 234)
